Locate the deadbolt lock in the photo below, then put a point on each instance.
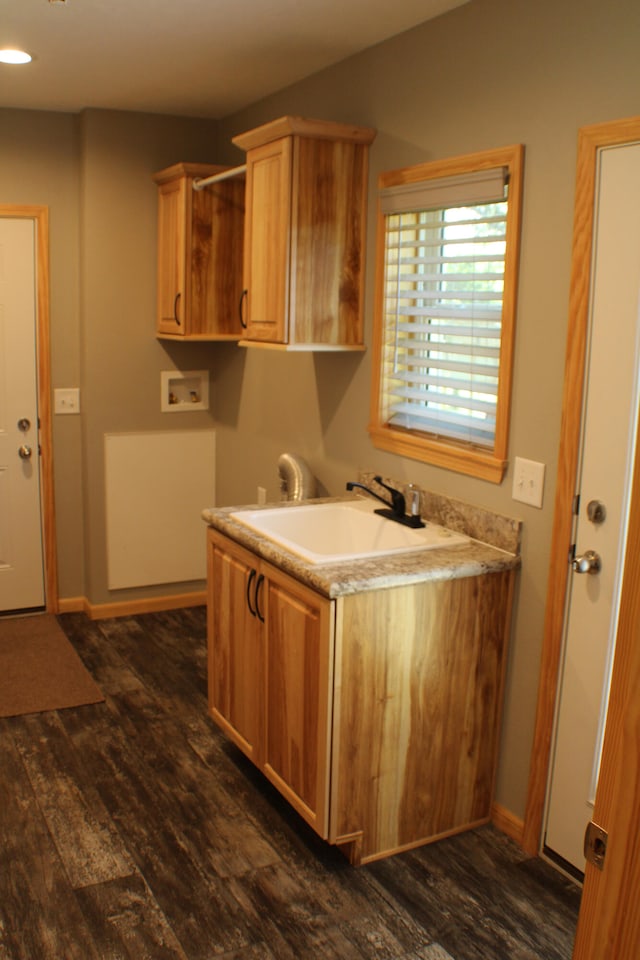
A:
(595, 844)
(596, 511)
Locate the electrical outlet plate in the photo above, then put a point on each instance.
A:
(528, 481)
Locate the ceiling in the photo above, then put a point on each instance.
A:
(199, 58)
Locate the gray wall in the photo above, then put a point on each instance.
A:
(39, 164)
(490, 73)
(94, 173)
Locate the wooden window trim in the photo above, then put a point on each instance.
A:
(461, 457)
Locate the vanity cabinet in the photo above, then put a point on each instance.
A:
(200, 249)
(375, 713)
(306, 199)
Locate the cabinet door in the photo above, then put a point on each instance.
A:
(214, 260)
(171, 257)
(235, 640)
(299, 664)
(267, 235)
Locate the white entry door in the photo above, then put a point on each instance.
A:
(21, 539)
(608, 435)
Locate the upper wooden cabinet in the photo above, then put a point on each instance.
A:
(200, 237)
(306, 199)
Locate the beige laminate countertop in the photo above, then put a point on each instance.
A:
(472, 559)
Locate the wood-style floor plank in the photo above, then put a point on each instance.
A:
(321, 871)
(133, 829)
(481, 898)
(39, 915)
(303, 917)
(127, 922)
(157, 817)
(84, 834)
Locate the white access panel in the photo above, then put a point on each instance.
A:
(157, 485)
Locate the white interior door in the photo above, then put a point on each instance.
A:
(608, 435)
(21, 540)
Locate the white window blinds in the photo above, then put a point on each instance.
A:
(445, 243)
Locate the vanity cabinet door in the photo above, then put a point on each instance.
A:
(236, 665)
(271, 673)
(299, 695)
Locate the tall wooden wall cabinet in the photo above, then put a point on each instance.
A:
(306, 199)
(200, 246)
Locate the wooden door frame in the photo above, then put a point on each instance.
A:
(590, 140)
(40, 216)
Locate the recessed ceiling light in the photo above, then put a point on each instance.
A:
(14, 56)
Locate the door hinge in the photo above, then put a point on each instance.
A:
(595, 844)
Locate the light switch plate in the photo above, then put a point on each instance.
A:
(66, 400)
(528, 481)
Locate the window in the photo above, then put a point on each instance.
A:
(446, 271)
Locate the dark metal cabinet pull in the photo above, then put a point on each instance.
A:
(257, 598)
(243, 297)
(252, 577)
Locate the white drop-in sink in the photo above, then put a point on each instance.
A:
(344, 530)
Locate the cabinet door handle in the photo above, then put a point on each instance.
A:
(243, 297)
(252, 577)
(175, 308)
(257, 598)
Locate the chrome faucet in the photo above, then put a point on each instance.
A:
(396, 509)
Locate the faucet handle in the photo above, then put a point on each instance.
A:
(412, 494)
(397, 498)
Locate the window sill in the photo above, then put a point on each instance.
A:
(484, 465)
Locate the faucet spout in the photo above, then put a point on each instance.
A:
(352, 484)
(395, 507)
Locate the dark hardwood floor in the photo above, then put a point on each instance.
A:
(133, 829)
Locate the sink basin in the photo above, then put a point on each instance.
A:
(346, 530)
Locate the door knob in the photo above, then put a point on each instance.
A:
(24, 452)
(23, 424)
(589, 562)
